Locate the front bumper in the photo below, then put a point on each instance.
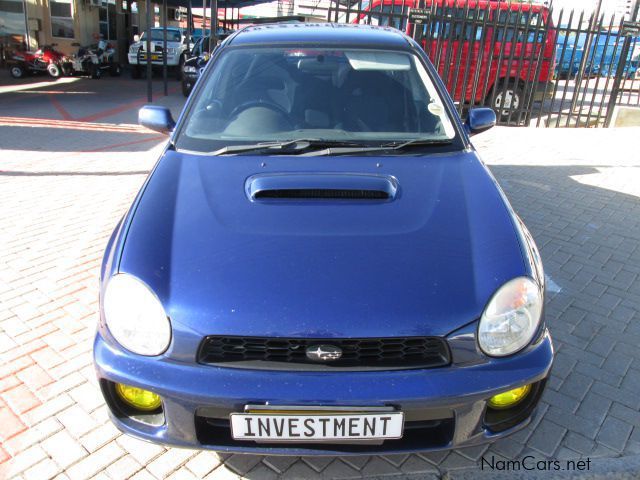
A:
(444, 407)
(173, 60)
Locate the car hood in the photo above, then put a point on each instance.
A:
(425, 263)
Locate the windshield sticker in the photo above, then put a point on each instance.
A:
(378, 60)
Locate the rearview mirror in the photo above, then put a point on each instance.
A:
(480, 120)
(156, 118)
(136, 38)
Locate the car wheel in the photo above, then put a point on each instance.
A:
(508, 102)
(115, 70)
(17, 71)
(136, 72)
(54, 70)
(186, 89)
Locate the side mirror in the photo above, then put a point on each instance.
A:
(136, 38)
(156, 118)
(480, 120)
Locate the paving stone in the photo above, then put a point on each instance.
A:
(318, 463)
(416, 464)
(203, 463)
(76, 421)
(91, 465)
(22, 461)
(617, 363)
(339, 469)
(547, 437)
(279, 464)
(299, 470)
(64, 449)
(455, 461)
(614, 434)
(169, 461)
(356, 462)
(594, 407)
(143, 452)
(125, 467)
(377, 466)
(44, 470)
(260, 471)
(625, 414)
(576, 385)
(579, 443)
(241, 464)
(561, 400)
(434, 457)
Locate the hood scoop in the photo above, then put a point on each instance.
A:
(321, 186)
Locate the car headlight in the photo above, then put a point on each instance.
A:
(511, 318)
(135, 317)
(189, 69)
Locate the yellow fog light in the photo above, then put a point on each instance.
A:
(137, 397)
(510, 398)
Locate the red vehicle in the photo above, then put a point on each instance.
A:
(486, 52)
(44, 60)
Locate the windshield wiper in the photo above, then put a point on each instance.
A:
(417, 142)
(301, 146)
(286, 146)
(295, 144)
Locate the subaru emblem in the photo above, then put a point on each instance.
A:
(323, 353)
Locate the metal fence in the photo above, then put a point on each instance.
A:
(534, 66)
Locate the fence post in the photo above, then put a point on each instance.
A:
(628, 29)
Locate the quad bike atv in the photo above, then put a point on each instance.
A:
(93, 59)
(44, 60)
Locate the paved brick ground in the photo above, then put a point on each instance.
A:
(71, 162)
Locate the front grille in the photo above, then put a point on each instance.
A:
(360, 353)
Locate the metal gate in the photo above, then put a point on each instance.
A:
(534, 66)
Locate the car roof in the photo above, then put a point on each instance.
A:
(321, 33)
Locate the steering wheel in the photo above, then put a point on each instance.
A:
(261, 103)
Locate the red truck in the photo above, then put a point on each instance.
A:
(487, 52)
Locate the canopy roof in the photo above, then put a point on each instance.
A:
(221, 3)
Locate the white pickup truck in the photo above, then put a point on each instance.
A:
(176, 51)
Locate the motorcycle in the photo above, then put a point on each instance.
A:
(44, 60)
(93, 59)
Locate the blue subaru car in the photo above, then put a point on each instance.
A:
(320, 263)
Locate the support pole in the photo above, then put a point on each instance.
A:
(164, 48)
(213, 39)
(585, 55)
(204, 18)
(619, 78)
(149, 69)
(189, 27)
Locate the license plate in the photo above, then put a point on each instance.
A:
(313, 427)
(155, 57)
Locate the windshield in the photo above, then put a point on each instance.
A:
(158, 36)
(278, 94)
